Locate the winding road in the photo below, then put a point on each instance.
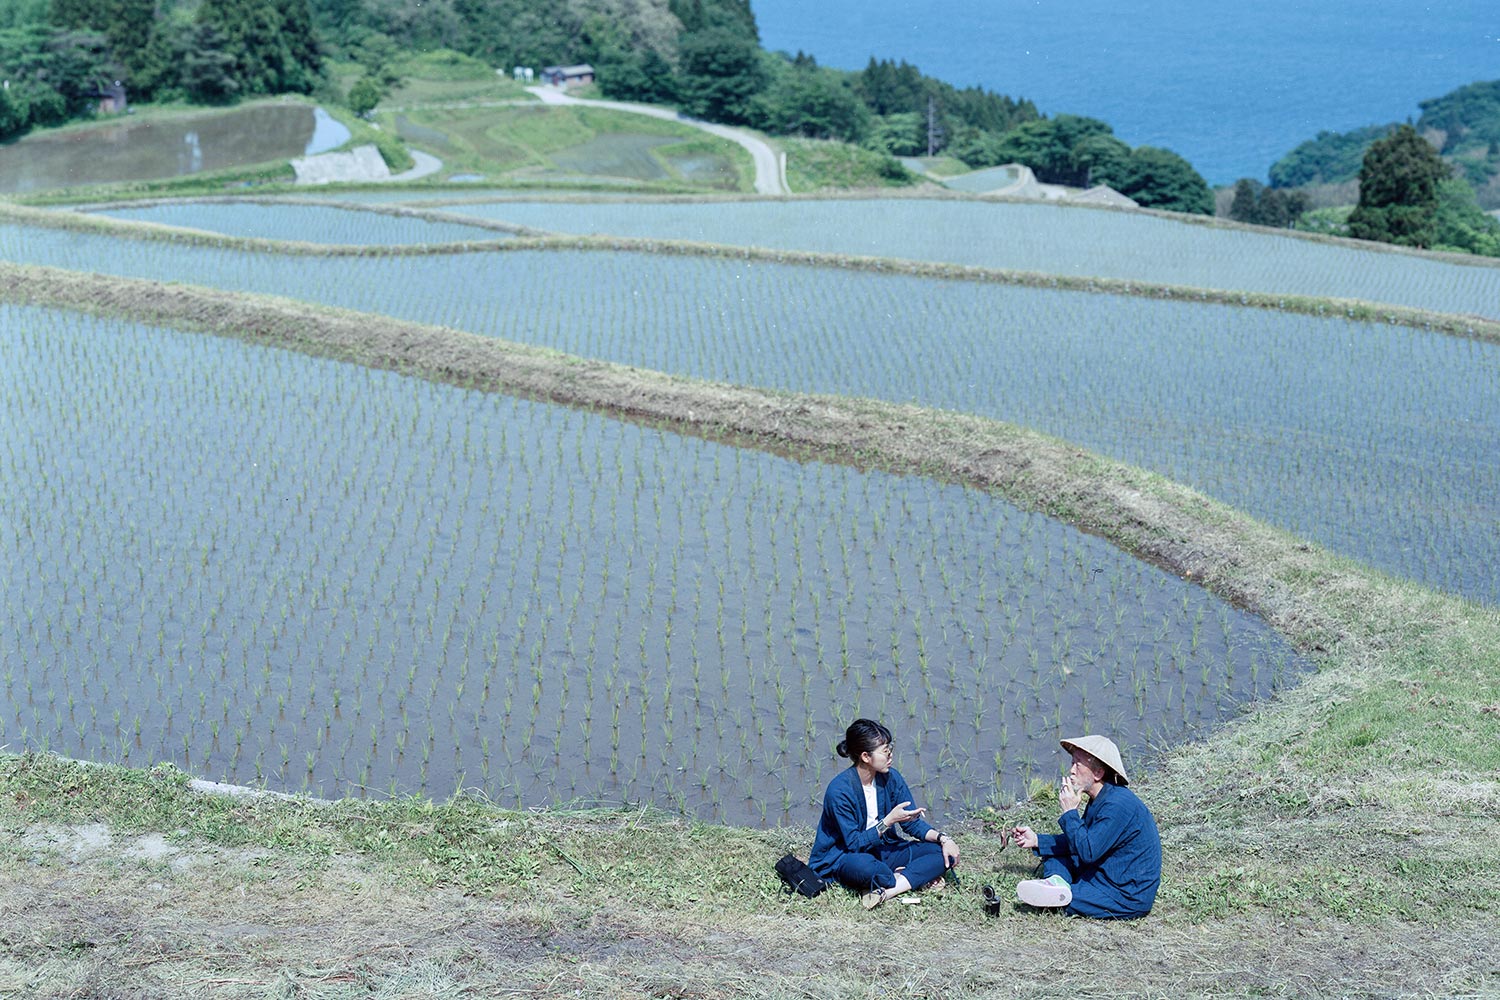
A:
(770, 175)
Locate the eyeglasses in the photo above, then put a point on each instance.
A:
(888, 748)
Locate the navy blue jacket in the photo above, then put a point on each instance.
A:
(841, 828)
(1113, 846)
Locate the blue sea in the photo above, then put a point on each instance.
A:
(1232, 87)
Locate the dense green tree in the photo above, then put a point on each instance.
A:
(631, 26)
(969, 117)
(271, 42)
(982, 109)
(1282, 209)
(1098, 157)
(54, 74)
(44, 106)
(378, 53)
(811, 102)
(13, 115)
(976, 148)
(339, 22)
(721, 72)
(901, 134)
(1468, 118)
(128, 24)
(155, 72)
(23, 13)
(364, 96)
(633, 76)
(704, 15)
(1159, 178)
(890, 88)
(209, 72)
(1262, 206)
(1461, 224)
(1039, 146)
(1068, 149)
(1243, 206)
(507, 33)
(1398, 191)
(1331, 158)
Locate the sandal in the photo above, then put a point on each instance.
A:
(870, 900)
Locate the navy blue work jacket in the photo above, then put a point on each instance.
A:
(841, 828)
(1114, 846)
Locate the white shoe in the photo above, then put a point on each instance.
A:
(1050, 892)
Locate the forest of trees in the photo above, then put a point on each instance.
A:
(57, 55)
(1464, 125)
(1409, 196)
(704, 56)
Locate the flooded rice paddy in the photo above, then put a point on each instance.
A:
(150, 148)
(1376, 441)
(309, 224)
(269, 567)
(1027, 236)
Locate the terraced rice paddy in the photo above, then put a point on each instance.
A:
(307, 223)
(269, 567)
(1053, 239)
(1377, 441)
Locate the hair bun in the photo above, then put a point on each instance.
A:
(842, 749)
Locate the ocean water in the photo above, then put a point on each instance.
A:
(1232, 87)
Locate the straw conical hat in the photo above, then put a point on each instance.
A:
(1101, 747)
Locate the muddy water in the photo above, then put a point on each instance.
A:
(128, 149)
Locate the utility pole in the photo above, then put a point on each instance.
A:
(934, 129)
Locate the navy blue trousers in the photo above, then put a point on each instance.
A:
(1091, 899)
(866, 872)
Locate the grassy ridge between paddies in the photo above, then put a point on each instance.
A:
(575, 193)
(525, 239)
(1342, 838)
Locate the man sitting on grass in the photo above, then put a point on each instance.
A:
(1107, 861)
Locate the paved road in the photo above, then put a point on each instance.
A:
(769, 176)
(424, 164)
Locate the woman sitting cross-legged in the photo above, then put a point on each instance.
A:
(862, 808)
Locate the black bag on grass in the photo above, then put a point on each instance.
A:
(798, 877)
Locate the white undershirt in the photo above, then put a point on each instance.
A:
(870, 806)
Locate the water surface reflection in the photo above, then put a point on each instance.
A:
(150, 149)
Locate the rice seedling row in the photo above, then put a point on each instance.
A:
(269, 567)
(304, 223)
(1373, 440)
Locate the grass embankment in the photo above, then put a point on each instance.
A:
(436, 75)
(1340, 839)
(537, 142)
(1479, 328)
(822, 165)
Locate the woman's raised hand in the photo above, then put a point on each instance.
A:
(901, 813)
(1023, 836)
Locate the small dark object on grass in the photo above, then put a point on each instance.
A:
(796, 876)
(991, 901)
